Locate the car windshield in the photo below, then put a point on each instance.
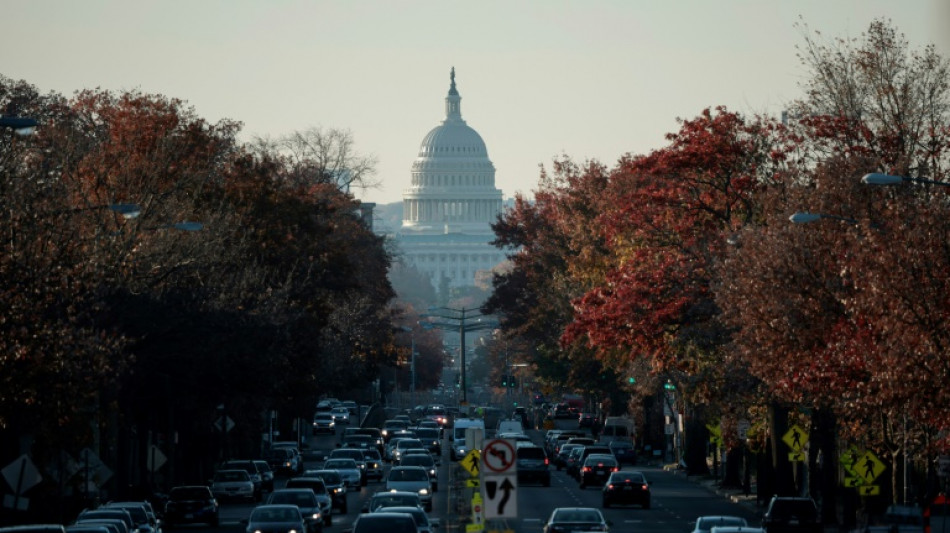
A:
(299, 498)
(189, 493)
(275, 514)
(330, 477)
(314, 484)
(627, 477)
(417, 460)
(338, 464)
(231, 475)
(391, 500)
(408, 474)
(709, 522)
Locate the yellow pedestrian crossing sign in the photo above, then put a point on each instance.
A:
(868, 467)
(850, 456)
(795, 438)
(472, 462)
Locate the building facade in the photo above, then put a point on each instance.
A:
(450, 203)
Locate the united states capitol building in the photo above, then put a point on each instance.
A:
(450, 203)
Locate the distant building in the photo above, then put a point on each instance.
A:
(450, 203)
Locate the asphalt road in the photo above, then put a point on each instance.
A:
(676, 502)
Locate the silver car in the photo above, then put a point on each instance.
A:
(233, 485)
(347, 468)
(411, 479)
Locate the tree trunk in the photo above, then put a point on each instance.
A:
(732, 475)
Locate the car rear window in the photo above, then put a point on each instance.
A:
(530, 453)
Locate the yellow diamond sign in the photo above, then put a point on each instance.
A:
(796, 438)
(868, 467)
(472, 462)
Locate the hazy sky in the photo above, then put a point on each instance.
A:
(589, 79)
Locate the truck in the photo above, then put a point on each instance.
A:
(457, 436)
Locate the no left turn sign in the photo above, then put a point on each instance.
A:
(498, 457)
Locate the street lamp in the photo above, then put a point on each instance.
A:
(875, 178)
(412, 366)
(461, 316)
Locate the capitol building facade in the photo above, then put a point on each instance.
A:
(450, 204)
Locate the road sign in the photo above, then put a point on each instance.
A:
(498, 457)
(742, 428)
(796, 457)
(224, 423)
(472, 462)
(868, 467)
(850, 456)
(943, 466)
(795, 438)
(869, 490)
(474, 527)
(501, 496)
(473, 483)
(21, 475)
(156, 459)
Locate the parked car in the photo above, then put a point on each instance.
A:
(625, 487)
(233, 484)
(274, 518)
(411, 479)
(569, 519)
(532, 465)
(190, 505)
(786, 514)
(316, 512)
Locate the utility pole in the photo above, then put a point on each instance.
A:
(461, 319)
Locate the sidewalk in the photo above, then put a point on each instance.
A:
(735, 495)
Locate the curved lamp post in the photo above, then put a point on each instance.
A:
(875, 178)
(462, 321)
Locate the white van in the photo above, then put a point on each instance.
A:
(459, 448)
(509, 425)
(617, 428)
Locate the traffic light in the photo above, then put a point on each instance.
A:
(669, 386)
(631, 380)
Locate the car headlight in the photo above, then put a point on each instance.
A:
(423, 491)
(316, 516)
(432, 471)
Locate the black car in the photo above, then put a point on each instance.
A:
(596, 469)
(626, 487)
(191, 505)
(532, 464)
(624, 451)
(336, 488)
(787, 514)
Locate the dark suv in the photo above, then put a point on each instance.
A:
(791, 515)
(532, 465)
(191, 504)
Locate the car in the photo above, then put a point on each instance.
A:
(252, 470)
(574, 468)
(347, 468)
(426, 462)
(739, 529)
(402, 445)
(704, 524)
(190, 504)
(316, 512)
(111, 526)
(586, 420)
(323, 422)
(319, 489)
(411, 479)
(358, 441)
(355, 454)
(141, 512)
(267, 474)
(233, 484)
(384, 523)
(294, 448)
(78, 527)
(374, 433)
(275, 518)
(561, 410)
(626, 487)
(392, 499)
(352, 407)
(34, 528)
(341, 415)
(392, 426)
(787, 514)
(532, 465)
(560, 460)
(431, 438)
(374, 465)
(623, 451)
(334, 484)
(570, 519)
(118, 517)
(596, 469)
(423, 524)
(281, 460)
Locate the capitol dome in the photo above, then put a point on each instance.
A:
(453, 180)
(450, 204)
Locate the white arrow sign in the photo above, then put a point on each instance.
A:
(500, 494)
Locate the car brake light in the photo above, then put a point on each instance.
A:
(546, 461)
(615, 469)
(610, 486)
(586, 469)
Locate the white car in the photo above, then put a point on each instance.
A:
(341, 415)
(411, 479)
(423, 524)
